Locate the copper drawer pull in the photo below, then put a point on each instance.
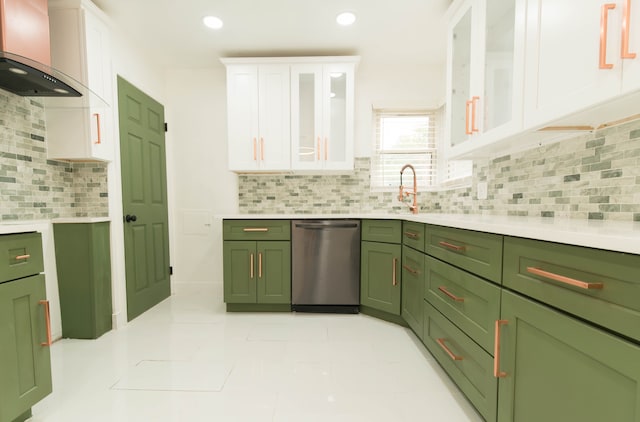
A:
(22, 257)
(466, 118)
(447, 350)
(261, 148)
(394, 280)
(451, 295)
(411, 235)
(99, 139)
(474, 109)
(260, 265)
(251, 266)
(626, 27)
(255, 149)
(452, 246)
(411, 270)
(255, 229)
(47, 318)
(496, 350)
(565, 280)
(604, 23)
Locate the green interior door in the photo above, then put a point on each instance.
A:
(144, 198)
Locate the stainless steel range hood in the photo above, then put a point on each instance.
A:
(25, 54)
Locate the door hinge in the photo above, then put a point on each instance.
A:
(166, 127)
(170, 270)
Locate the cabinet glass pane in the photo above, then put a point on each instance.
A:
(335, 150)
(461, 77)
(499, 50)
(307, 112)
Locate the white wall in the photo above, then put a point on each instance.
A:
(203, 187)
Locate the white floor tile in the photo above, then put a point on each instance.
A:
(188, 360)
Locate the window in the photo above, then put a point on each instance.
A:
(411, 137)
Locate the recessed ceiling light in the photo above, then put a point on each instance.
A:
(346, 18)
(213, 22)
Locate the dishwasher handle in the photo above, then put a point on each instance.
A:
(321, 226)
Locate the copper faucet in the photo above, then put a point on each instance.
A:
(406, 192)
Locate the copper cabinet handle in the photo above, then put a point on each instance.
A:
(262, 148)
(447, 350)
(326, 149)
(604, 23)
(411, 270)
(394, 280)
(565, 280)
(474, 109)
(260, 265)
(99, 140)
(496, 350)
(47, 318)
(412, 235)
(451, 295)
(251, 266)
(626, 23)
(318, 148)
(467, 119)
(452, 246)
(22, 257)
(255, 149)
(255, 229)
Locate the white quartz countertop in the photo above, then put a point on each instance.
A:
(621, 236)
(22, 226)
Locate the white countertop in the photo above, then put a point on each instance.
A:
(22, 226)
(621, 236)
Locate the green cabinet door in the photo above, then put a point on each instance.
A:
(84, 278)
(274, 272)
(562, 369)
(239, 271)
(25, 364)
(380, 276)
(413, 289)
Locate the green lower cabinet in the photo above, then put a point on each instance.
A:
(257, 272)
(562, 369)
(380, 276)
(412, 289)
(25, 364)
(468, 364)
(84, 278)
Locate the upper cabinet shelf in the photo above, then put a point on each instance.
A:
(290, 113)
(523, 73)
(81, 129)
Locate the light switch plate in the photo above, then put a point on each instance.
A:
(482, 190)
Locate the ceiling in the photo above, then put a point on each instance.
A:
(405, 31)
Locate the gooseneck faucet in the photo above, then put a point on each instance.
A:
(406, 192)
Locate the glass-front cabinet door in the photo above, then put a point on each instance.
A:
(322, 116)
(485, 74)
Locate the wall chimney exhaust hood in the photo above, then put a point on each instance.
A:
(25, 54)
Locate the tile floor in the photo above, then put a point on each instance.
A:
(188, 360)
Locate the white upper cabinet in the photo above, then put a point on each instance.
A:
(322, 107)
(81, 128)
(258, 117)
(485, 74)
(290, 113)
(583, 59)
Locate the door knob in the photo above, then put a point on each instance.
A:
(129, 218)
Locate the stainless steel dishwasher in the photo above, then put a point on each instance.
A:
(325, 265)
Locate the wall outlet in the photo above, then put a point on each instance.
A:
(482, 190)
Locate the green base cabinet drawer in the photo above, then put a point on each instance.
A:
(558, 368)
(380, 276)
(608, 290)
(470, 302)
(256, 230)
(468, 365)
(413, 289)
(20, 255)
(386, 231)
(413, 235)
(479, 253)
(84, 278)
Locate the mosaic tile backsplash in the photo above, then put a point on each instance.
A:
(34, 188)
(591, 176)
